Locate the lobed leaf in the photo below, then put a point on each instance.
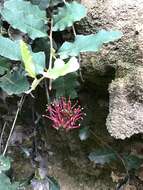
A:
(102, 156)
(43, 4)
(5, 163)
(34, 63)
(88, 43)
(61, 68)
(26, 17)
(9, 49)
(14, 83)
(132, 161)
(68, 14)
(5, 183)
(27, 59)
(4, 65)
(66, 86)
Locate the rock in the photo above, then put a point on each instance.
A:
(126, 105)
(121, 62)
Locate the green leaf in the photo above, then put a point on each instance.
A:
(9, 49)
(53, 184)
(26, 17)
(39, 61)
(34, 84)
(5, 183)
(43, 4)
(132, 161)
(27, 59)
(84, 133)
(34, 63)
(88, 43)
(5, 163)
(66, 86)
(68, 14)
(14, 83)
(42, 44)
(61, 69)
(55, 2)
(4, 65)
(102, 156)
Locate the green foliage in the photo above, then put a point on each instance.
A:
(34, 63)
(88, 43)
(14, 82)
(66, 86)
(39, 62)
(53, 184)
(102, 156)
(9, 49)
(84, 133)
(55, 2)
(5, 163)
(32, 17)
(132, 161)
(26, 17)
(4, 65)
(27, 59)
(42, 44)
(43, 4)
(61, 68)
(68, 14)
(5, 183)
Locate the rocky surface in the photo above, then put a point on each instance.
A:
(126, 105)
(123, 58)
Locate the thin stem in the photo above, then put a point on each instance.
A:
(74, 32)
(34, 131)
(79, 58)
(80, 73)
(1, 137)
(47, 92)
(51, 52)
(35, 83)
(14, 122)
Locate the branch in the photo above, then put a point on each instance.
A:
(14, 122)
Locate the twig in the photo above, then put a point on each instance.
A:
(34, 132)
(79, 58)
(51, 52)
(14, 122)
(74, 32)
(47, 92)
(1, 137)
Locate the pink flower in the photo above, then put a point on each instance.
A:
(64, 115)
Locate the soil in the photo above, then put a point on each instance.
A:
(64, 155)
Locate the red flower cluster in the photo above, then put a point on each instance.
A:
(64, 115)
